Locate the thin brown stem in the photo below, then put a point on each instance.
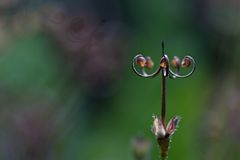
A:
(163, 99)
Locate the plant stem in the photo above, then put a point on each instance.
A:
(163, 91)
(163, 99)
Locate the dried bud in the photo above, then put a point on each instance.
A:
(141, 61)
(176, 62)
(186, 62)
(149, 63)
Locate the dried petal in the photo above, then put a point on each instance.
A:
(172, 125)
(158, 128)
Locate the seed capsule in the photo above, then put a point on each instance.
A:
(175, 62)
(186, 62)
(141, 61)
(163, 63)
(149, 63)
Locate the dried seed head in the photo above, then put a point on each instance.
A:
(186, 62)
(149, 63)
(141, 61)
(175, 62)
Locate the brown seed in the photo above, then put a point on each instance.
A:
(149, 63)
(163, 63)
(186, 62)
(175, 62)
(141, 61)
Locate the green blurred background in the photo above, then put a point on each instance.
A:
(67, 90)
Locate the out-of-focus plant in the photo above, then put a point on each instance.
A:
(141, 148)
